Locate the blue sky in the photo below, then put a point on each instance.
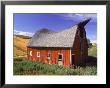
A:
(29, 23)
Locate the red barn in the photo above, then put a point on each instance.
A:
(67, 47)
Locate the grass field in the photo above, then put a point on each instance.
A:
(26, 67)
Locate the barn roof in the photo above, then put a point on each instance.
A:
(48, 38)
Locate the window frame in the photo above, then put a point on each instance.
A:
(58, 56)
(38, 54)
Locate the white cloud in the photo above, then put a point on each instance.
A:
(93, 41)
(23, 33)
(92, 15)
(78, 16)
(93, 38)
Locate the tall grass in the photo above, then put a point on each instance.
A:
(25, 67)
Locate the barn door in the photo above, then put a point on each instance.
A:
(60, 57)
(73, 59)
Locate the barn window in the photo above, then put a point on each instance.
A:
(30, 53)
(38, 54)
(48, 55)
(60, 56)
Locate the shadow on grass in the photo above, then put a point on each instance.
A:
(91, 61)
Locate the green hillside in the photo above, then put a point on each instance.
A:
(93, 50)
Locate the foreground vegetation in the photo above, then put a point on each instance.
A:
(25, 67)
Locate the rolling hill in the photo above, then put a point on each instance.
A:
(20, 42)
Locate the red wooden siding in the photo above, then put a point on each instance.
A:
(53, 55)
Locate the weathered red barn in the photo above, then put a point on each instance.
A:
(67, 47)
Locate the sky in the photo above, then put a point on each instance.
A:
(28, 23)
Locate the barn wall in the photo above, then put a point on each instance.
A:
(54, 55)
(80, 49)
(76, 50)
(85, 50)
